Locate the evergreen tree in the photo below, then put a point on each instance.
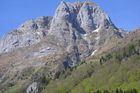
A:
(117, 91)
(106, 91)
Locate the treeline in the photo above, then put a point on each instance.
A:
(117, 91)
(120, 54)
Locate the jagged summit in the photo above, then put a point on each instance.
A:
(86, 14)
(78, 29)
(79, 22)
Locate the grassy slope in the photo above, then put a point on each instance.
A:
(113, 75)
(120, 69)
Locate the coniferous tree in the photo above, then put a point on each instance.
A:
(117, 91)
(121, 91)
(106, 91)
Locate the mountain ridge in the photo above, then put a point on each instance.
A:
(77, 30)
(49, 45)
(35, 26)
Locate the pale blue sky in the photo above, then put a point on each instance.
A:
(124, 13)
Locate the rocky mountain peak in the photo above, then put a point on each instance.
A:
(41, 49)
(78, 29)
(86, 14)
(28, 33)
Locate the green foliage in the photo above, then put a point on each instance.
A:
(44, 80)
(64, 74)
(26, 73)
(12, 89)
(120, 54)
(64, 85)
(115, 72)
(111, 74)
(117, 91)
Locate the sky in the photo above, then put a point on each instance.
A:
(124, 13)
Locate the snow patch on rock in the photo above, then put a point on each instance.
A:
(97, 38)
(93, 52)
(97, 30)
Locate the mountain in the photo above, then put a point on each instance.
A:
(110, 70)
(37, 52)
(77, 29)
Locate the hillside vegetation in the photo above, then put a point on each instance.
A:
(115, 72)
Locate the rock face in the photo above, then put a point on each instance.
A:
(82, 27)
(32, 88)
(76, 31)
(53, 44)
(28, 33)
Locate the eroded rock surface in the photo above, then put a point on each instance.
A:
(75, 32)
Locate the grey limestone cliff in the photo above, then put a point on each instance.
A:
(30, 32)
(47, 45)
(78, 29)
